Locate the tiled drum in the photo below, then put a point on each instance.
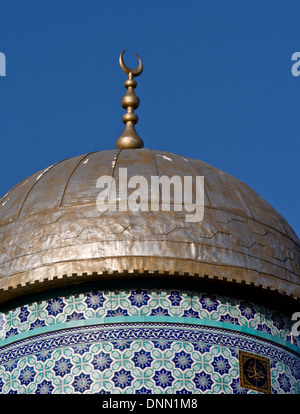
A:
(143, 341)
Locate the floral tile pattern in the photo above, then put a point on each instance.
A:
(78, 361)
(145, 302)
(140, 358)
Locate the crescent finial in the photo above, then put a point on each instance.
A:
(130, 138)
(127, 70)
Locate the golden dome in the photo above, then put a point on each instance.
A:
(52, 234)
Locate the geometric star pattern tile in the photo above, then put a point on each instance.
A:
(140, 358)
(132, 367)
(145, 302)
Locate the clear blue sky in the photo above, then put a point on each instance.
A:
(217, 85)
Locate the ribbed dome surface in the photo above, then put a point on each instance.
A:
(51, 229)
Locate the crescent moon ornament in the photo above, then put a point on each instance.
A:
(130, 139)
(127, 70)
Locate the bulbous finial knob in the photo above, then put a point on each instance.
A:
(130, 138)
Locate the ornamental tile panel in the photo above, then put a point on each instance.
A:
(99, 360)
(145, 302)
(152, 358)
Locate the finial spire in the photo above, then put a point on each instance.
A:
(130, 138)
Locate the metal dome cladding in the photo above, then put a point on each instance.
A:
(52, 233)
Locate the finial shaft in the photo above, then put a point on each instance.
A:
(130, 138)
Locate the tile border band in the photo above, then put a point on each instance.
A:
(149, 319)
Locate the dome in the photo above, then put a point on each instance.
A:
(121, 270)
(52, 232)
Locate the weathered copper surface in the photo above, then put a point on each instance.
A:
(50, 229)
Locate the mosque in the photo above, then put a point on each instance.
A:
(97, 300)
